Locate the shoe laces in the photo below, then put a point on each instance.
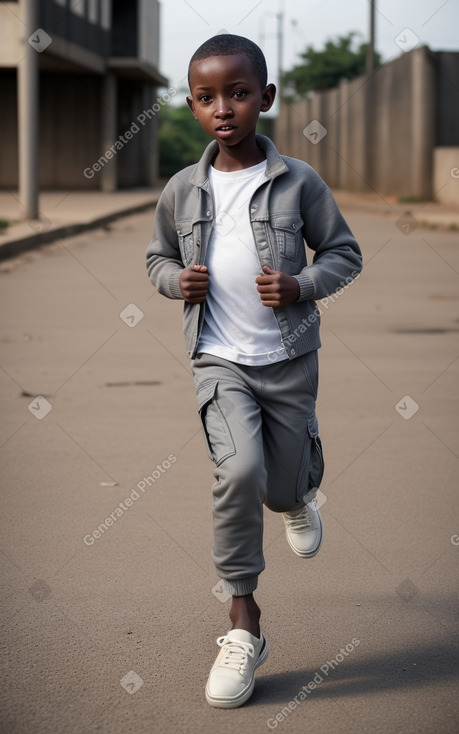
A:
(300, 522)
(236, 653)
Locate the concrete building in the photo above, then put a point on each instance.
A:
(79, 87)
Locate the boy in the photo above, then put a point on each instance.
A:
(229, 240)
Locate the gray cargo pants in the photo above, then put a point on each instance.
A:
(261, 432)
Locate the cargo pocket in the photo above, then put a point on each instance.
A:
(312, 462)
(218, 437)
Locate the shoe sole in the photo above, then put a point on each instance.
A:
(308, 554)
(233, 703)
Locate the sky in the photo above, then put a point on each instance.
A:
(185, 24)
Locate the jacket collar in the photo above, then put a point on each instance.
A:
(275, 165)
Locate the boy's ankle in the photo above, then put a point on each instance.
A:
(245, 614)
(249, 626)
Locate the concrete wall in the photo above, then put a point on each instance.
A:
(380, 129)
(69, 130)
(446, 176)
(148, 13)
(11, 33)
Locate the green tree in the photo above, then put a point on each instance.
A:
(340, 59)
(181, 140)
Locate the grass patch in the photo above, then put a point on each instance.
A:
(411, 200)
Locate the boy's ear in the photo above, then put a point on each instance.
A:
(268, 97)
(190, 103)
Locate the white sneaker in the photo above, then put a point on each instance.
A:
(232, 678)
(304, 530)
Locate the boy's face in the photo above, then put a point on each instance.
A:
(227, 97)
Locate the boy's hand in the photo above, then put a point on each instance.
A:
(276, 288)
(194, 283)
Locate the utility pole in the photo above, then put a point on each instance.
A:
(370, 59)
(28, 111)
(280, 42)
(280, 51)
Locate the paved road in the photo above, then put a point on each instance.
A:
(115, 631)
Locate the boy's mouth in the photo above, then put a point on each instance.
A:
(226, 127)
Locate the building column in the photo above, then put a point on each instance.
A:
(28, 113)
(422, 123)
(149, 139)
(109, 103)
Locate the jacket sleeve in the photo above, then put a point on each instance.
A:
(337, 257)
(164, 261)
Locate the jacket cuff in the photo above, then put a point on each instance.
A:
(174, 286)
(307, 287)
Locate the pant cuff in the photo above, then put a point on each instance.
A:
(241, 587)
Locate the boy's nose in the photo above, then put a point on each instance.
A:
(223, 108)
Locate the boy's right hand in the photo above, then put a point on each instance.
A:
(194, 283)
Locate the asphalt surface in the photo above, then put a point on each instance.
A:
(115, 631)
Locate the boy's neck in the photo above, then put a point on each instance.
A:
(237, 157)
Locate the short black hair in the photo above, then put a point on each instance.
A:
(228, 44)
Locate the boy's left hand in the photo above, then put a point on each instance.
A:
(276, 288)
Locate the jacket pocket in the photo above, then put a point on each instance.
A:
(312, 462)
(220, 444)
(185, 240)
(287, 232)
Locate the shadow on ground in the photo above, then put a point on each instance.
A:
(407, 668)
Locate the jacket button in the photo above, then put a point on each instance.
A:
(292, 351)
(209, 214)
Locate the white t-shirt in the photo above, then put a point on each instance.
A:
(237, 326)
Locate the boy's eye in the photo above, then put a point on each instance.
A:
(205, 98)
(240, 93)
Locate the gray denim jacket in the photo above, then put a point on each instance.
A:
(293, 207)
